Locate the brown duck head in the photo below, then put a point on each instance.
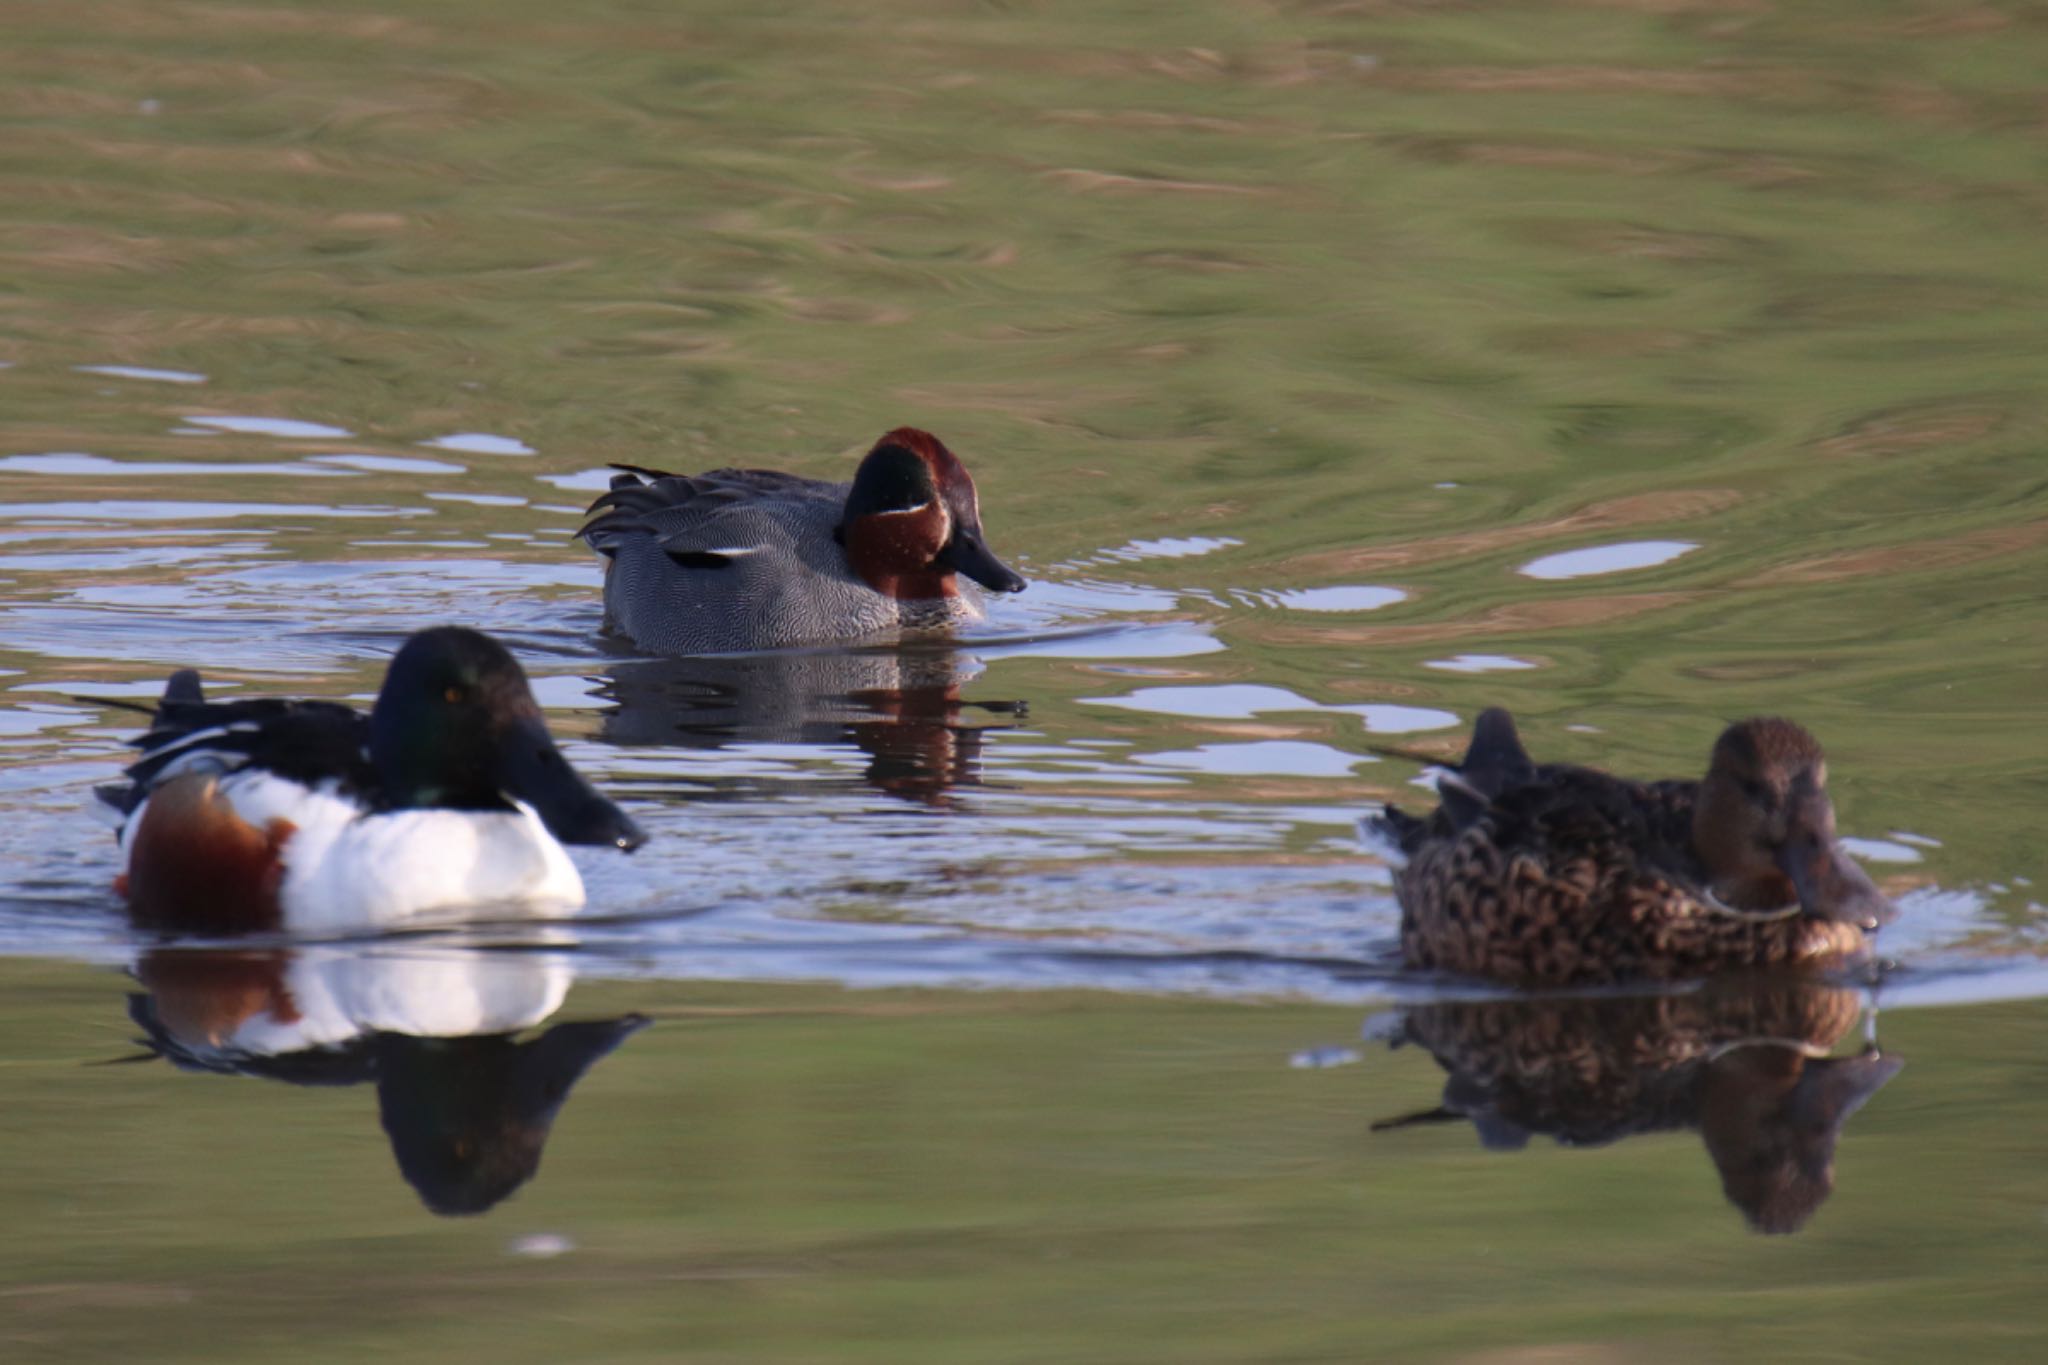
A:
(913, 521)
(1765, 829)
(1771, 1115)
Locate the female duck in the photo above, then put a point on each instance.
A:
(308, 816)
(1557, 875)
(741, 559)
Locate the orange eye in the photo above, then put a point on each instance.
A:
(453, 694)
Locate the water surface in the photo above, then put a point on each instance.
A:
(1334, 371)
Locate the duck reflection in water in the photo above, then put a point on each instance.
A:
(1745, 1066)
(901, 707)
(466, 1103)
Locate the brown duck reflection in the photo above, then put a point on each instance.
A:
(902, 707)
(1747, 1067)
(466, 1103)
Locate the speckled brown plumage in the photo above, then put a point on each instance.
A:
(1563, 876)
(1743, 1064)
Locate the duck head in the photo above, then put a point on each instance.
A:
(469, 1117)
(1765, 829)
(456, 727)
(1770, 1116)
(913, 521)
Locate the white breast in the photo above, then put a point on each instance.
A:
(428, 993)
(346, 872)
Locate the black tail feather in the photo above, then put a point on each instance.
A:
(184, 689)
(181, 689)
(1463, 803)
(1393, 823)
(147, 708)
(1420, 1118)
(1494, 762)
(641, 470)
(1496, 759)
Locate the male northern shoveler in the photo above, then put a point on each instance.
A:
(741, 559)
(467, 1104)
(1557, 875)
(311, 817)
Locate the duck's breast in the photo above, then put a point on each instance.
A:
(381, 869)
(745, 576)
(228, 1007)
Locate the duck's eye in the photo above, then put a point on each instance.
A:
(454, 696)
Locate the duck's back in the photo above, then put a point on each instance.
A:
(735, 559)
(1563, 808)
(308, 742)
(1559, 877)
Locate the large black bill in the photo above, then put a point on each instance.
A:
(1831, 886)
(532, 769)
(968, 553)
(1832, 1089)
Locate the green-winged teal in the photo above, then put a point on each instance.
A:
(744, 559)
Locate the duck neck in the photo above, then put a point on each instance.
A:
(894, 553)
(916, 587)
(1756, 891)
(1724, 852)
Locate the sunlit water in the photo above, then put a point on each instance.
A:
(1332, 371)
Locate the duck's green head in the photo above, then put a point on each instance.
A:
(456, 727)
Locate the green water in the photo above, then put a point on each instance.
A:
(1223, 304)
(797, 1174)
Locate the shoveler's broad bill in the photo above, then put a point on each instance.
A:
(746, 559)
(1557, 875)
(311, 817)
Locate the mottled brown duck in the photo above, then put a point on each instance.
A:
(1555, 875)
(1746, 1065)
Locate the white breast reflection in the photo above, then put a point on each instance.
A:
(466, 1101)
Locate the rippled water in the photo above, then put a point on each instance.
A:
(1333, 371)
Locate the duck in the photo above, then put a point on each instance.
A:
(1748, 1065)
(433, 1029)
(1560, 876)
(900, 708)
(270, 815)
(737, 560)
